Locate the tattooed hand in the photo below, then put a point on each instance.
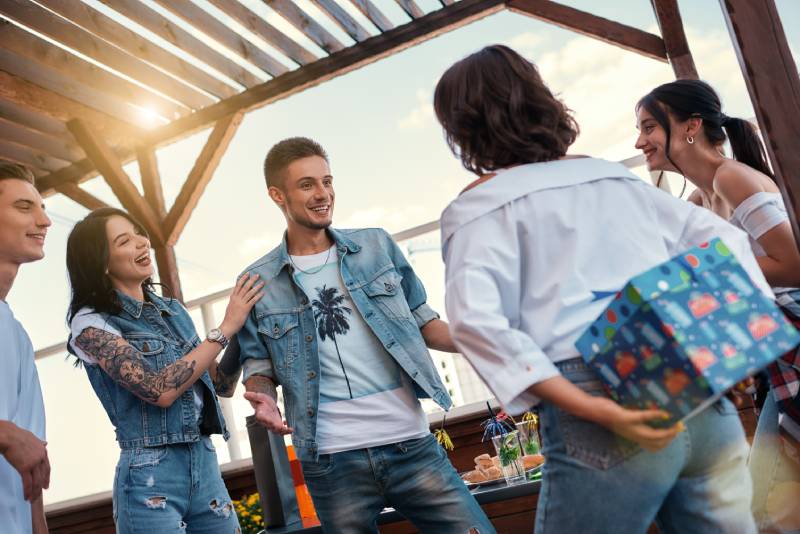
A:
(127, 367)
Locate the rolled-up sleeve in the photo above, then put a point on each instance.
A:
(413, 289)
(254, 355)
(482, 299)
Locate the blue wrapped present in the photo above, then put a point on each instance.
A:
(679, 335)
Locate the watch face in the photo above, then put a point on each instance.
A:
(215, 334)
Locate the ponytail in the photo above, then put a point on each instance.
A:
(746, 145)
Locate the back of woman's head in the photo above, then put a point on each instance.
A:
(497, 112)
(686, 99)
(87, 263)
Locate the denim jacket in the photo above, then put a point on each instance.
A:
(281, 333)
(162, 331)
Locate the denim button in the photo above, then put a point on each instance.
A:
(310, 412)
(309, 338)
(311, 374)
(390, 345)
(276, 329)
(304, 301)
(388, 286)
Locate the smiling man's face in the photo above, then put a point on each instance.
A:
(23, 222)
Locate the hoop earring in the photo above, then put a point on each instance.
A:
(690, 140)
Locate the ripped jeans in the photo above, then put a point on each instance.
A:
(172, 489)
(415, 477)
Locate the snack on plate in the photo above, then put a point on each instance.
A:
(532, 460)
(474, 477)
(492, 473)
(484, 461)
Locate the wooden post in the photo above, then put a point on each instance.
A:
(671, 25)
(774, 86)
(154, 195)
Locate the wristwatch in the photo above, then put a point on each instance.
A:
(216, 335)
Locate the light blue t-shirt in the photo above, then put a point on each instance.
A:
(21, 403)
(366, 399)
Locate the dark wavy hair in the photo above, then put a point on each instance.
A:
(684, 99)
(497, 112)
(87, 264)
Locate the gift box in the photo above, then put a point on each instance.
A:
(679, 335)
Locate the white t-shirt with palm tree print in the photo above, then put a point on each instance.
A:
(366, 399)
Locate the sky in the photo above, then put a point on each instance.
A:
(391, 168)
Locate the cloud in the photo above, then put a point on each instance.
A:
(525, 43)
(585, 72)
(421, 115)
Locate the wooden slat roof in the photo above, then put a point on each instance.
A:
(192, 63)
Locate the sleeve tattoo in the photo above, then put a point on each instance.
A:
(126, 366)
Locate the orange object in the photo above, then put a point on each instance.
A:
(308, 514)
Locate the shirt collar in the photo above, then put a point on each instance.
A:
(343, 244)
(134, 307)
(515, 182)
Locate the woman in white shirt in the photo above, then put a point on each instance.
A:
(529, 247)
(682, 129)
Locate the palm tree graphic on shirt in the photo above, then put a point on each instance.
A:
(331, 317)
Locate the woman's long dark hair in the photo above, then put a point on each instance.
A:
(497, 112)
(87, 264)
(684, 99)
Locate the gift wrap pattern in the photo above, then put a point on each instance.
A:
(680, 334)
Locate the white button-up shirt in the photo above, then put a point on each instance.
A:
(526, 251)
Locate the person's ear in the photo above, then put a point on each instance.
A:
(276, 195)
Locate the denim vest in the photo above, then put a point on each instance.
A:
(281, 332)
(162, 331)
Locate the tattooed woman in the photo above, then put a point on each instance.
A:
(153, 376)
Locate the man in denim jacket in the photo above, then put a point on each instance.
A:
(343, 327)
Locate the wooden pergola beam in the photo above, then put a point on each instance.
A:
(31, 156)
(118, 180)
(375, 15)
(33, 120)
(22, 98)
(130, 41)
(347, 60)
(265, 30)
(343, 19)
(200, 175)
(208, 24)
(38, 61)
(771, 76)
(55, 146)
(44, 21)
(606, 30)
(671, 25)
(82, 197)
(140, 13)
(166, 259)
(411, 8)
(303, 22)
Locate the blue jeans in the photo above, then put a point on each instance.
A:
(350, 488)
(172, 489)
(776, 479)
(595, 481)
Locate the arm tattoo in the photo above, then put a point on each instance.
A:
(126, 366)
(225, 384)
(261, 384)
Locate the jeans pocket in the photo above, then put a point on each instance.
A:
(208, 444)
(147, 456)
(322, 467)
(590, 443)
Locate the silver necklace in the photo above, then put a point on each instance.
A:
(318, 268)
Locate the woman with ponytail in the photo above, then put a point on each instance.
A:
(682, 129)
